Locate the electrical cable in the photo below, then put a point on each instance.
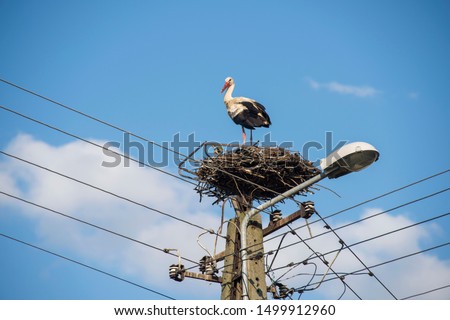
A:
(87, 266)
(386, 194)
(90, 117)
(324, 262)
(342, 294)
(91, 224)
(391, 260)
(106, 191)
(368, 217)
(400, 229)
(383, 234)
(358, 258)
(372, 199)
(313, 275)
(408, 255)
(276, 253)
(426, 292)
(382, 212)
(93, 143)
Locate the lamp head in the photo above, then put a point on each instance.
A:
(350, 158)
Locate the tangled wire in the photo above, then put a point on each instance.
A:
(257, 173)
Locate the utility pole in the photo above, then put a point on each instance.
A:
(257, 288)
(232, 277)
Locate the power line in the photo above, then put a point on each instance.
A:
(94, 144)
(106, 191)
(387, 193)
(408, 255)
(91, 225)
(426, 292)
(386, 211)
(400, 229)
(290, 265)
(84, 114)
(324, 262)
(375, 237)
(368, 217)
(393, 260)
(360, 260)
(373, 199)
(87, 266)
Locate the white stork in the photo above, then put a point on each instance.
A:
(244, 111)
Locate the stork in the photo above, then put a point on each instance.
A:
(245, 112)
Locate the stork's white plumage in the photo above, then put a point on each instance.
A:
(244, 111)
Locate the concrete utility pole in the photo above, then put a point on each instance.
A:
(232, 274)
(231, 278)
(232, 284)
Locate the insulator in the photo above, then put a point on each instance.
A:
(210, 269)
(208, 265)
(176, 272)
(275, 216)
(284, 291)
(202, 264)
(309, 209)
(274, 292)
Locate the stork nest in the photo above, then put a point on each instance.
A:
(254, 173)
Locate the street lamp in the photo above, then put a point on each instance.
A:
(351, 157)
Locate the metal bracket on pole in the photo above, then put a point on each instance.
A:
(206, 277)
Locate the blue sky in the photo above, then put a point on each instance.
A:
(373, 71)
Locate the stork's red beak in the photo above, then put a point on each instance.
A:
(226, 85)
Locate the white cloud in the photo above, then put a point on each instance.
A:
(359, 91)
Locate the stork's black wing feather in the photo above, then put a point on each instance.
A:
(256, 116)
(253, 106)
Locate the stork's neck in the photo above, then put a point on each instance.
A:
(228, 93)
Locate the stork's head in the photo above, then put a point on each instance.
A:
(228, 83)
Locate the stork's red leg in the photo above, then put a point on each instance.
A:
(244, 136)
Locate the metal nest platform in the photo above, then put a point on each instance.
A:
(253, 172)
